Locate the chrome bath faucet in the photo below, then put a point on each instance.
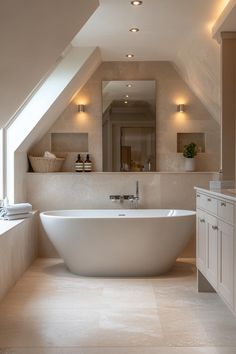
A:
(130, 197)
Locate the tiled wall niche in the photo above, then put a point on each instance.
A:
(187, 138)
(69, 142)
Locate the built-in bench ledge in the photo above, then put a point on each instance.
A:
(7, 225)
(18, 249)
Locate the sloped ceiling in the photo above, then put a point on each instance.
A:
(172, 30)
(33, 35)
(226, 22)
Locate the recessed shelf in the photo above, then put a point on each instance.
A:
(69, 142)
(187, 138)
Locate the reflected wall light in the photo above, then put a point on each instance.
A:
(81, 108)
(181, 108)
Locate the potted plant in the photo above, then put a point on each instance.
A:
(189, 152)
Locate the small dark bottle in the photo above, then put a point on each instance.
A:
(79, 164)
(87, 164)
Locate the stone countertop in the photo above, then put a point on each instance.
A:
(229, 194)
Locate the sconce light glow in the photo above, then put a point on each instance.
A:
(181, 108)
(81, 108)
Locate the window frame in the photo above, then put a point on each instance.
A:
(1, 163)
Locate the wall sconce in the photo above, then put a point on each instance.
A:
(181, 108)
(81, 108)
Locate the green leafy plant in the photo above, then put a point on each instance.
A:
(190, 150)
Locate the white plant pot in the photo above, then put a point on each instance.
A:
(189, 164)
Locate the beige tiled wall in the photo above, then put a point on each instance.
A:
(18, 249)
(50, 191)
(171, 90)
(158, 190)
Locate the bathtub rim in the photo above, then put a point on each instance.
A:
(51, 214)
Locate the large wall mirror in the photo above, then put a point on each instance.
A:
(129, 126)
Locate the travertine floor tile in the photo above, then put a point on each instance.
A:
(51, 311)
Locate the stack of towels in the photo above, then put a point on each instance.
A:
(16, 211)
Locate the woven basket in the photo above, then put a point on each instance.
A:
(44, 164)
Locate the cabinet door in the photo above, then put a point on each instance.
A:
(212, 250)
(201, 241)
(226, 261)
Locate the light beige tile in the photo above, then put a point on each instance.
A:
(51, 309)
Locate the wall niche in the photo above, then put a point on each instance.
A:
(63, 144)
(187, 138)
(69, 142)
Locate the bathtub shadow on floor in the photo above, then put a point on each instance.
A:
(181, 268)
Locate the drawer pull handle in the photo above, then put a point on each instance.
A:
(202, 220)
(214, 227)
(209, 199)
(223, 204)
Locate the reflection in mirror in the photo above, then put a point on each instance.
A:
(129, 126)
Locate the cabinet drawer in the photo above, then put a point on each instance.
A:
(210, 204)
(200, 200)
(226, 211)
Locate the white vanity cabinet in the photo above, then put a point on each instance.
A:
(216, 243)
(201, 241)
(226, 261)
(212, 250)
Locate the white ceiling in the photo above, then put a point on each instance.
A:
(173, 30)
(33, 36)
(165, 27)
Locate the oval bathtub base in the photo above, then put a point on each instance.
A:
(119, 242)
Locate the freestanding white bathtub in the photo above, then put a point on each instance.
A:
(138, 242)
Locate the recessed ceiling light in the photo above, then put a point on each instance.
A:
(125, 102)
(136, 3)
(127, 96)
(129, 55)
(134, 29)
(129, 85)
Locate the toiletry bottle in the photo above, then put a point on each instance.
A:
(79, 164)
(87, 164)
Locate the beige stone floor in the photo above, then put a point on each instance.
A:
(51, 311)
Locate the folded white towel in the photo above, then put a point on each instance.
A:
(49, 155)
(14, 209)
(17, 216)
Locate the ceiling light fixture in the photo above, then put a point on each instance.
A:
(129, 85)
(125, 102)
(127, 96)
(130, 55)
(134, 29)
(136, 3)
